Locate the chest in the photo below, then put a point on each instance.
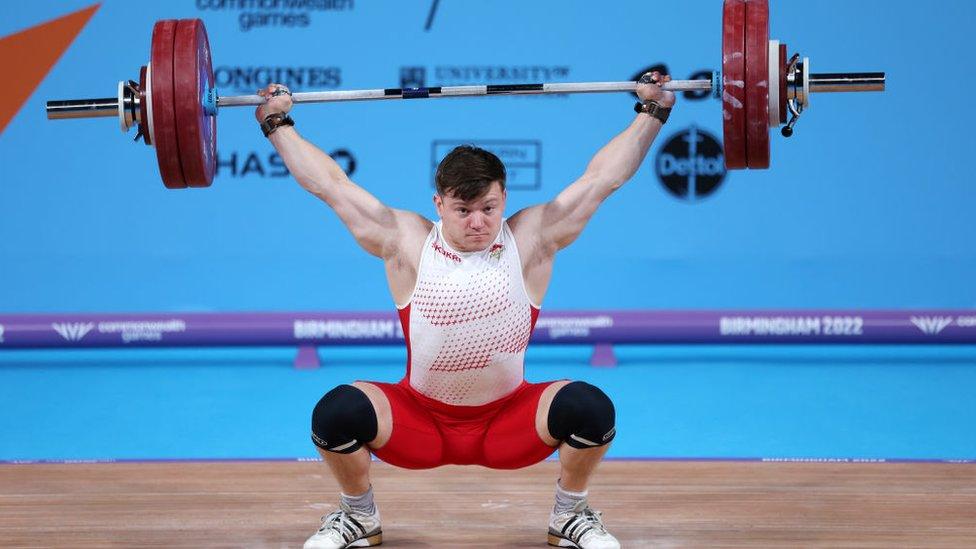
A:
(471, 286)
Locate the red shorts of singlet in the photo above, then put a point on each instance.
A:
(428, 433)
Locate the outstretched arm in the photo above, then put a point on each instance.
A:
(561, 221)
(375, 226)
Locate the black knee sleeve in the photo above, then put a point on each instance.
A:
(343, 420)
(582, 416)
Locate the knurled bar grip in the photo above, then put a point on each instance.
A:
(461, 91)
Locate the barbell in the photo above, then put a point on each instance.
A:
(174, 104)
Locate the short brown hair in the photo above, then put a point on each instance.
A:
(467, 172)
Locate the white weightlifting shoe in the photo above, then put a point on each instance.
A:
(581, 528)
(346, 528)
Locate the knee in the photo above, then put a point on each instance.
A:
(582, 416)
(343, 420)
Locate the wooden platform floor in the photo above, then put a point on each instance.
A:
(646, 504)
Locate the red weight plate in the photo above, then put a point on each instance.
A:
(782, 83)
(757, 83)
(733, 83)
(143, 108)
(163, 110)
(192, 77)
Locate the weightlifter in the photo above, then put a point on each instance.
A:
(468, 289)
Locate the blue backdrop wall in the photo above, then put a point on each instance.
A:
(869, 205)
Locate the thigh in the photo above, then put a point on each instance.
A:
(512, 439)
(542, 411)
(413, 441)
(384, 412)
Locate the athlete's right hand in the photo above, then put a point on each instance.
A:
(649, 89)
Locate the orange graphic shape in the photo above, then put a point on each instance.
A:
(27, 56)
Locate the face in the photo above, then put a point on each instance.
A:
(471, 226)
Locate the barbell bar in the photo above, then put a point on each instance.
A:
(109, 106)
(174, 104)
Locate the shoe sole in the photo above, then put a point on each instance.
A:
(557, 541)
(375, 539)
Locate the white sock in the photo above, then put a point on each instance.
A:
(566, 500)
(362, 503)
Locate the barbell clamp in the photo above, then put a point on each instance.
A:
(210, 98)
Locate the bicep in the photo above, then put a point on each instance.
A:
(564, 219)
(372, 223)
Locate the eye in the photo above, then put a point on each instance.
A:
(462, 211)
(489, 209)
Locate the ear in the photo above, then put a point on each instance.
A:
(438, 204)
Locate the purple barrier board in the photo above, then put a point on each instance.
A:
(36, 331)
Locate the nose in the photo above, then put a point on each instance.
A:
(476, 221)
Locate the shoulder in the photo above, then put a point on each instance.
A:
(528, 230)
(526, 220)
(408, 234)
(407, 221)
